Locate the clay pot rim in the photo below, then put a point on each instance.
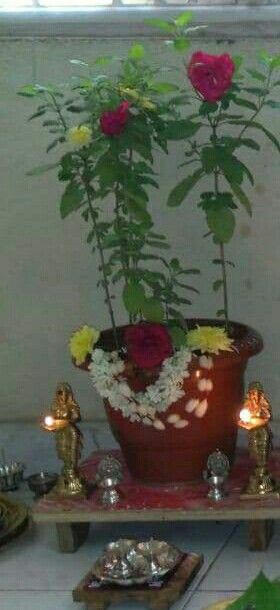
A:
(247, 341)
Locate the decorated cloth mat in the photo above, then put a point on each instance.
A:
(136, 495)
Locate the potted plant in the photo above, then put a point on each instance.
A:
(171, 387)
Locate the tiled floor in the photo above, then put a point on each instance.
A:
(35, 576)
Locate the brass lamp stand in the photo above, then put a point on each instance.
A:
(62, 421)
(255, 417)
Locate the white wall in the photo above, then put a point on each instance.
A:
(48, 276)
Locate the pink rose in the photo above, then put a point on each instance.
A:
(211, 75)
(113, 122)
(148, 345)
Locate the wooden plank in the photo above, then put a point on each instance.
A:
(260, 534)
(156, 599)
(71, 536)
(260, 511)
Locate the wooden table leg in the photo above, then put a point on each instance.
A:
(260, 534)
(71, 536)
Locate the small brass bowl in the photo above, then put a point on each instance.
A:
(42, 482)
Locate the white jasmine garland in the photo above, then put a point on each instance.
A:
(106, 369)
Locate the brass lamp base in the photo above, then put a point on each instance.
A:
(261, 485)
(69, 487)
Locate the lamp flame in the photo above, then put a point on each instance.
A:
(245, 416)
(49, 420)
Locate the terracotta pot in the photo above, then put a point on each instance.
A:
(178, 455)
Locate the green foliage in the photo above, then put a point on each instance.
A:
(71, 200)
(182, 189)
(109, 180)
(262, 594)
(221, 223)
(218, 153)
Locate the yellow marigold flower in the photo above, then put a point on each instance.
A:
(209, 339)
(82, 342)
(147, 104)
(80, 135)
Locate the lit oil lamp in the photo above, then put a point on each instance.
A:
(62, 420)
(255, 417)
(52, 424)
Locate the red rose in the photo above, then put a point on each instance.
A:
(211, 75)
(148, 345)
(113, 122)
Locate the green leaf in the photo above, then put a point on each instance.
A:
(217, 285)
(71, 200)
(221, 222)
(265, 57)
(179, 193)
(238, 61)
(37, 114)
(242, 197)
(262, 594)
(245, 103)
(166, 26)
(103, 60)
(275, 63)
(28, 91)
(232, 168)
(250, 143)
(208, 108)
(41, 169)
(273, 104)
(133, 296)
(260, 127)
(184, 19)
(257, 75)
(179, 130)
(178, 336)
(137, 52)
(181, 44)
(152, 310)
(209, 159)
(164, 87)
(138, 210)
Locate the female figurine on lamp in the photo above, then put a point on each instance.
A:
(65, 413)
(255, 418)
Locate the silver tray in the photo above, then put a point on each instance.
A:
(129, 562)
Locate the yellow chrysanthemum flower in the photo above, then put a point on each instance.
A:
(80, 135)
(209, 339)
(82, 342)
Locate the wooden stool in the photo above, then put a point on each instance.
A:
(156, 599)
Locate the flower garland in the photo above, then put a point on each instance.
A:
(106, 369)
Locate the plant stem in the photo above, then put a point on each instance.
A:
(102, 259)
(225, 289)
(96, 229)
(123, 244)
(221, 245)
(57, 108)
